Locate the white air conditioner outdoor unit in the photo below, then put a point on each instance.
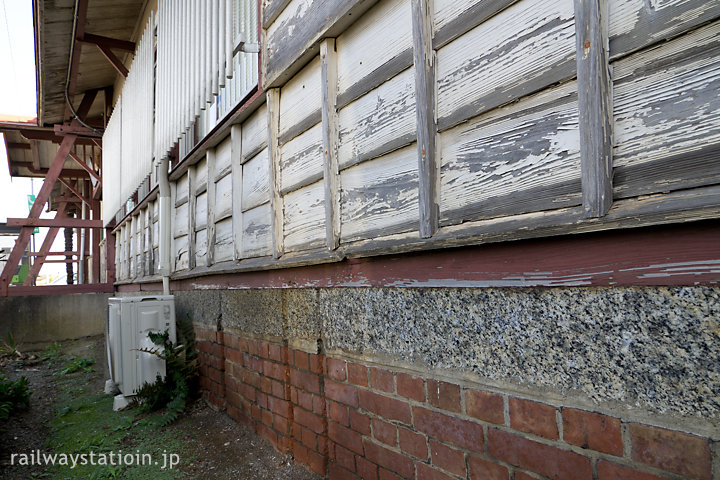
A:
(128, 323)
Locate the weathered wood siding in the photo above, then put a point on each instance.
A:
(521, 158)
(667, 127)
(399, 125)
(380, 197)
(521, 50)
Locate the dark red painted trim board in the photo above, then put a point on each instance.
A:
(686, 254)
(18, 291)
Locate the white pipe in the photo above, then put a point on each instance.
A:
(207, 50)
(203, 49)
(229, 38)
(214, 47)
(165, 230)
(83, 214)
(222, 14)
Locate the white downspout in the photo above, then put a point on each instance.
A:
(165, 232)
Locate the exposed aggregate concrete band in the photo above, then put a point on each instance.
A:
(653, 349)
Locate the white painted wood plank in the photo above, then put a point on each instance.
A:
(201, 204)
(257, 232)
(182, 260)
(181, 220)
(256, 181)
(379, 122)
(300, 98)
(201, 247)
(666, 106)
(181, 195)
(223, 198)
(302, 159)
(222, 158)
(523, 49)
(224, 240)
(634, 24)
(379, 36)
(304, 219)
(201, 175)
(380, 197)
(520, 158)
(254, 134)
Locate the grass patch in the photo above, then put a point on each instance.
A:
(85, 423)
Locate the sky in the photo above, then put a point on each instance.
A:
(17, 97)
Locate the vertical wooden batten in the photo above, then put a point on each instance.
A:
(595, 105)
(276, 202)
(329, 81)
(192, 206)
(424, 60)
(211, 187)
(237, 185)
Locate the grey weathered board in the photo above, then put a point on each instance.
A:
(256, 181)
(523, 49)
(595, 105)
(257, 232)
(298, 29)
(366, 131)
(666, 104)
(254, 135)
(374, 49)
(634, 24)
(424, 61)
(380, 197)
(453, 18)
(304, 218)
(520, 158)
(302, 160)
(330, 170)
(300, 102)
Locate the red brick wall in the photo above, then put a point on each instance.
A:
(348, 421)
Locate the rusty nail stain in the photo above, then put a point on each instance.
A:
(587, 44)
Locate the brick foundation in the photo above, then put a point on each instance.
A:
(346, 420)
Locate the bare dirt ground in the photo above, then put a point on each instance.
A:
(214, 446)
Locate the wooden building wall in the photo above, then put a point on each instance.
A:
(402, 125)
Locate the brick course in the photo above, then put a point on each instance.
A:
(345, 420)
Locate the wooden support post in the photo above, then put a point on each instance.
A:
(35, 211)
(45, 248)
(210, 256)
(424, 60)
(276, 200)
(328, 59)
(237, 190)
(595, 105)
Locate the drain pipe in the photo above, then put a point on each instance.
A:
(165, 233)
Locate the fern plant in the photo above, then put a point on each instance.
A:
(180, 381)
(14, 394)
